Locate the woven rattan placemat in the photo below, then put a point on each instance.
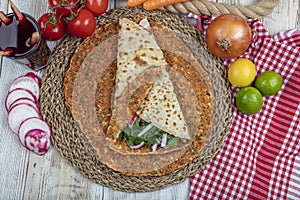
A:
(68, 139)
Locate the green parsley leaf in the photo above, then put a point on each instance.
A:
(172, 141)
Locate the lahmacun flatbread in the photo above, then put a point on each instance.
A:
(191, 84)
(138, 58)
(162, 109)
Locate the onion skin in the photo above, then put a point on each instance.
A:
(228, 36)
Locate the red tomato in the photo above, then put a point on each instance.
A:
(52, 27)
(63, 8)
(97, 7)
(83, 25)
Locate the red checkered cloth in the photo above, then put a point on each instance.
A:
(260, 158)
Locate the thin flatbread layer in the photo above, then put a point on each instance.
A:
(137, 51)
(125, 106)
(162, 109)
(139, 60)
(82, 52)
(184, 67)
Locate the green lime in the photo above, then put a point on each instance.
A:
(249, 100)
(268, 83)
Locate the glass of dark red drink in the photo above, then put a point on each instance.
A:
(22, 41)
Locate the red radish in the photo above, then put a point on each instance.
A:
(17, 94)
(23, 101)
(24, 116)
(34, 76)
(33, 123)
(20, 17)
(19, 113)
(4, 19)
(37, 141)
(28, 83)
(6, 52)
(35, 37)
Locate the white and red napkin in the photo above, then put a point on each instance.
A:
(260, 158)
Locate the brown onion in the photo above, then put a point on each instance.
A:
(228, 36)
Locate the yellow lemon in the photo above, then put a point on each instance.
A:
(241, 72)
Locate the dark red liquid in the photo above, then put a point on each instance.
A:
(16, 36)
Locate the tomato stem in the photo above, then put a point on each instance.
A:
(69, 5)
(73, 15)
(66, 3)
(52, 19)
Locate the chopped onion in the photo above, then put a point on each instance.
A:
(145, 130)
(137, 146)
(158, 140)
(154, 147)
(134, 117)
(164, 140)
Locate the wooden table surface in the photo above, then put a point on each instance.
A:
(24, 175)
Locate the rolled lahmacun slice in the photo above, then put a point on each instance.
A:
(19, 113)
(27, 83)
(17, 94)
(30, 124)
(37, 141)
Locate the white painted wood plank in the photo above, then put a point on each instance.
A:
(4, 8)
(174, 192)
(284, 17)
(4, 5)
(25, 175)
